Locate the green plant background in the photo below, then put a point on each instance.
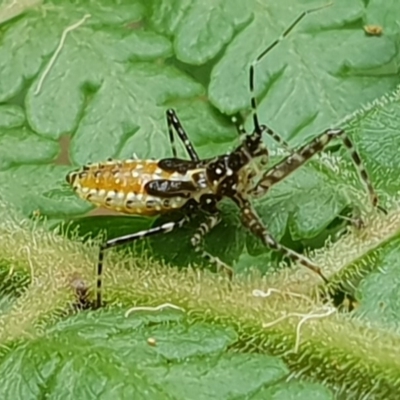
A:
(105, 96)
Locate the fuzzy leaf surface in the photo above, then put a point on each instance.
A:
(103, 355)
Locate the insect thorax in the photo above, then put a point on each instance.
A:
(234, 172)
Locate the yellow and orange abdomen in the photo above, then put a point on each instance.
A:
(120, 186)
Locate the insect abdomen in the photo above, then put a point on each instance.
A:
(121, 186)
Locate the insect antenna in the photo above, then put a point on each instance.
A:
(257, 127)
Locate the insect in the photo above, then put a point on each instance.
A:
(196, 186)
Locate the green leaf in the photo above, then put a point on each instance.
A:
(336, 349)
(84, 81)
(225, 241)
(306, 202)
(302, 87)
(104, 354)
(247, 261)
(376, 133)
(16, 145)
(201, 28)
(224, 377)
(11, 116)
(378, 292)
(96, 139)
(109, 226)
(116, 74)
(294, 391)
(383, 13)
(99, 69)
(13, 284)
(40, 188)
(38, 33)
(122, 76)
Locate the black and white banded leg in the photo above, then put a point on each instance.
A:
(305, 153)
(174, 124)
(164, 228)
(253, 222)
(197, 241)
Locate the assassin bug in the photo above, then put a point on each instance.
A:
(196, 186)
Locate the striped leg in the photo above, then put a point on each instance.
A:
(302, 155)
(253, 222)
(198, 243)
(164, 228)
(174, 123)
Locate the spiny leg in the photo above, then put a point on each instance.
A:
(174, 123)
(257, 127)
(252, 222)
(302, 155)
(198, 243)
(164, 228)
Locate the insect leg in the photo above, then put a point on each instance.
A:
(197, 241)
(257, 127)
(253, 222)
(302, 155)
(164, 228)
(174, 123)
